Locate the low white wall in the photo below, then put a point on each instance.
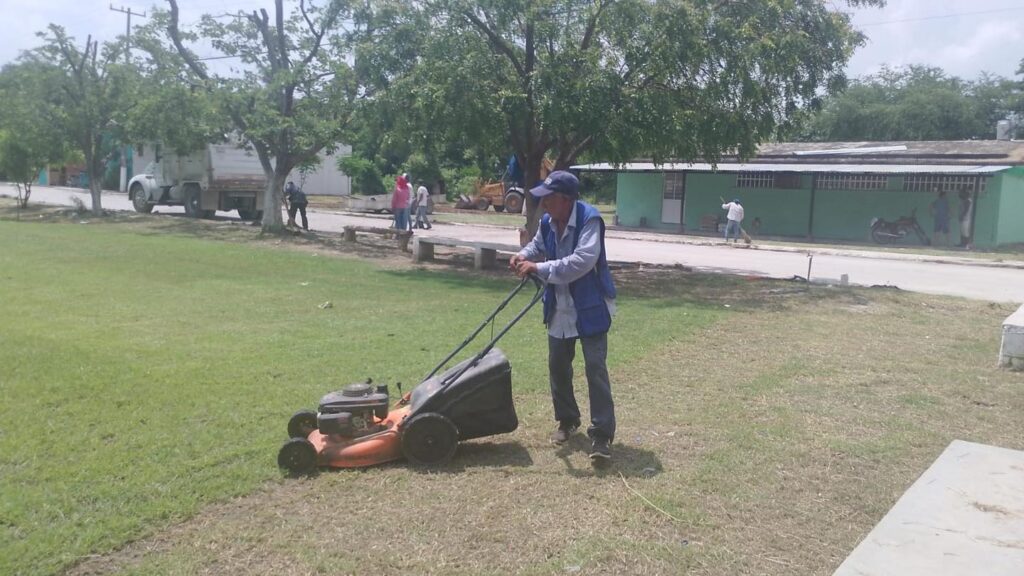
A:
(1011, 352)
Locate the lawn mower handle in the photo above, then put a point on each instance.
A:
(538, 282)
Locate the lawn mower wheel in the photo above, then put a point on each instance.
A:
(297, 456)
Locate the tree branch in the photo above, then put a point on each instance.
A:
(262, 22)
(185, 53)
(579, 148)
(318, 36)
(497, 42)
(282, 43)
(588, 36)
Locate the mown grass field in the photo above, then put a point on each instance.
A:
(147, 372)
(146, 375)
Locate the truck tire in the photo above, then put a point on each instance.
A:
(482, 204)
(514, 202)
(192, 209)
(193, 204)
(139, 202)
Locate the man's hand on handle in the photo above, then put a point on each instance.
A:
(523, 267)
(513, 262)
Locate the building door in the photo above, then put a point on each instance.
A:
(672, 198)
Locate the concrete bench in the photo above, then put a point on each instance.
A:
(962, 516)
(1011, 352)
(485, 254)
(402, 236)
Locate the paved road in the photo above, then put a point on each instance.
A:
(958, 277)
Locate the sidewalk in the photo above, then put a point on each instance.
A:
(668, 237)
(622, 233)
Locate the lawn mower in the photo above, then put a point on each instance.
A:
(355, 427)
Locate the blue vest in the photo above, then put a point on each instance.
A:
(589, 291)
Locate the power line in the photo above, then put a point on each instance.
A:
(940, 16)
(219, 57)
(127, 30)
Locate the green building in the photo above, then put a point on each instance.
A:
(834, 190)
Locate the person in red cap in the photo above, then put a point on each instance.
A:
(400, 202)
(568, 252)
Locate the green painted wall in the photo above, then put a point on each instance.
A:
(638, 195)
(1010, 224)
(838, 214)
(986, 215)
(847, 214)
(781, 212)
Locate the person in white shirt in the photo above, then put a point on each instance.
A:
(734, 217)
(568, 252)
(422, 199)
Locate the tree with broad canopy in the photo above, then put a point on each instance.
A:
(607, 79)
(292, 94)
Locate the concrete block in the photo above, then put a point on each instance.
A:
(350, 234)
(484, 258)
(963, 517)
(422, 250)
(1011, 351)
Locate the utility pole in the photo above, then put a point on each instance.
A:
(123, 184)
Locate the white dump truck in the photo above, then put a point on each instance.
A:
(218, 177)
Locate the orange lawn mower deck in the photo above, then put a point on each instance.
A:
(355, 427)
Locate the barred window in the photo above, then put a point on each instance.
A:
(837, 181)
(787, 180)
(937, 183)
(755, 180)
(675, 183)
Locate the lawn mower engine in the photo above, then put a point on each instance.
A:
(350, 412)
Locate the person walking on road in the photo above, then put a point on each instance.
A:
(966, 219)
(940, 213)
(400, 202)
(568, 252)
(296, 201)
(422, 202)
(733, 218)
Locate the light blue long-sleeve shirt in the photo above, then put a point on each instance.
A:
(566, 267)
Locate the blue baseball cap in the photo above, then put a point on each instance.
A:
(558, 181)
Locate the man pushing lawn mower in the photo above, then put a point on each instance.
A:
(579, 300)
(357, 426)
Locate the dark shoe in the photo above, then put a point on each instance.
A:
(565, 430)
(601, 450)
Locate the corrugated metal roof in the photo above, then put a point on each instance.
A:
(969, 152)
(951, 169)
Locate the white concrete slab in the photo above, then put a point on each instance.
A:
(1011, 351)
(963, 517)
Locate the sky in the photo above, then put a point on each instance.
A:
(963, 37)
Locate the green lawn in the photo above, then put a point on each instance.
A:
(144, 376)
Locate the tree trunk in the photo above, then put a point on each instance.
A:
(533, 160)
(24, 191)
(95, 189)
(272, 200)
(93, 169)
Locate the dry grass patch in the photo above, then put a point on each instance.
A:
(769, 443)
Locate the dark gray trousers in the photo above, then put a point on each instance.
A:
(561, 352)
